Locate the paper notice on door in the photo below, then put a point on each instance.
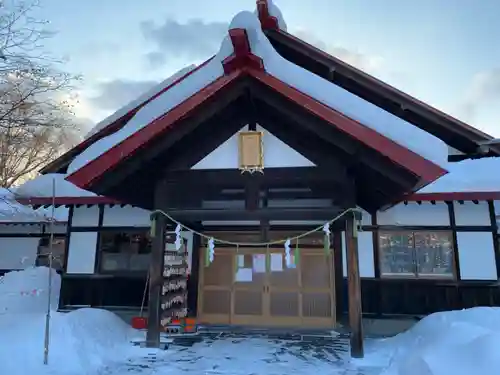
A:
(259, 263)
(244, 275)
(276, 262)
(241, 261)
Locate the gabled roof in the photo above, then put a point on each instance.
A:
(252, 59)
(454, 132)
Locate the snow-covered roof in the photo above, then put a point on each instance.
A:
(394, 128)
(140, 100)
(13, 211)
(471, 175)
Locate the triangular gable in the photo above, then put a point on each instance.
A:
(389, 136)
(277, 154)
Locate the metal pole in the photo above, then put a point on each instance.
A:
(49, 299)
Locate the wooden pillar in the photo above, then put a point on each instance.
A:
(354, 287)
(155, 280)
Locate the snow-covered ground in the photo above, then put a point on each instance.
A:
(97, 342)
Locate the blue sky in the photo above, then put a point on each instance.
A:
(444, 52)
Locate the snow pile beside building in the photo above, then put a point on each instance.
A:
(80, 341)
(27, 291)
(461, 342)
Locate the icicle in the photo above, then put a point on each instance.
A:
(288, 257)
(326, 241)
(211, 250)
(178, 238)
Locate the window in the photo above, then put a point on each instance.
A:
(416, 254)
(58, 252)
(125, 251)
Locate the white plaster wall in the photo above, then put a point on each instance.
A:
(18, 253)
(82, 252)
(276, 154)
(85, 216)
(415, 214)
(126, 216)
(366, 256)
(469, 213)
(476, 256)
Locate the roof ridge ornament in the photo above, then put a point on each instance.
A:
(267, 21)
(242, 56)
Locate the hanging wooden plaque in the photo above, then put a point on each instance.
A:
(251, 151)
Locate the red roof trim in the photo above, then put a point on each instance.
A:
(417, 197)
(427, 170)
(455, 196)
(242, 56)
(120, 122)
(97, 167)
(267, 21)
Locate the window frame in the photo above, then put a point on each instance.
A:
(416, 275)
(43, 260)
(101, 254)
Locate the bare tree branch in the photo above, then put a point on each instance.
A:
(36, 117)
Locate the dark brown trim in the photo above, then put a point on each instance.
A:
(496, 239)
(376, 256)
(339, 272)
(430, 228)
(100, 220)
(454, 228)
(23, 235)
(71, 212)
(109, 229)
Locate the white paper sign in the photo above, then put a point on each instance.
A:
(276, 262)
(259, 263)
(244, 275)
(241, 261)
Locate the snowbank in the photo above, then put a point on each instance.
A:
(27, 290)
(464, 342)
(468, 175)
(80, 342)
(322, 90)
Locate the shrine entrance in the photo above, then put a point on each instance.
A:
(254, 287)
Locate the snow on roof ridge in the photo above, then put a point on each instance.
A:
(122, 111)
(324, 91)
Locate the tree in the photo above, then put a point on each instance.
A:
(36, 119)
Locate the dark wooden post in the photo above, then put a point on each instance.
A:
(354, 286)
(158, 223)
